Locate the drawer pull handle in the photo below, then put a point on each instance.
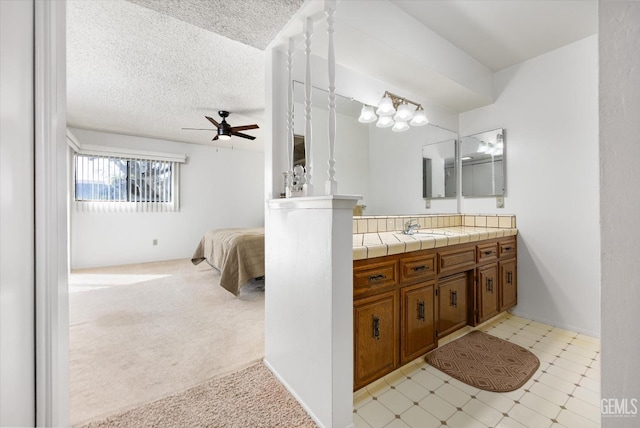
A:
(420, 268)
(509, 277)
(490, 285)
(508, 248)
(488, 253)
(454, 298)
(376, 327)
(421, 310)
(374, 278)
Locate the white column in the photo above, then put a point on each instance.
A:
(308, 148)
(331, 186)
(309, 306)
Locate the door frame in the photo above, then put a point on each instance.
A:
(51, 215)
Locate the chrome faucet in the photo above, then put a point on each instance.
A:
(410, 227)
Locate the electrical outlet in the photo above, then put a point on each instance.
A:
(500, 202)
(155, 242)
(427, 203)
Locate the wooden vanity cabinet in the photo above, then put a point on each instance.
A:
(418, 332)
(452, 303)
(508, 284)
(376, 337)
(404, 302)
(487, 291)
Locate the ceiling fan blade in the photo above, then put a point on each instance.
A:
(239, 134)
(244, 128)
(215, 138)
(199, 129)
(212, 120)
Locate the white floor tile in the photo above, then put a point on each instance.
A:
(396, 423)
(453, 395)
(540, 405)
(549, 393)
(564, 374)
(496, 400)
(482, 412)
(428, 380)
(438, 407)
(463, 420)
(570, 365)
(358, 422)
(571, 419)
(507, 422)
(395, 401)
(412, 390)
(584, 409)
(360, 398)
(587, 396)
(375, 414)
(589, 353)
(590, 384)
(557, 383)
(416, 416)
(528, 417)
(579, 359)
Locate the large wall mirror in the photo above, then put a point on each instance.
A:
(439, 170)
(383, 166)
(483, 164)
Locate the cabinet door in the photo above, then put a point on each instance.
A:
(487, 292)
(452, 303)
(376, 337)
(508, 284)
(418, 321)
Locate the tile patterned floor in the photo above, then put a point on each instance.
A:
(564, 391)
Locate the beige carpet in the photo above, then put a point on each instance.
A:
(485, 362)
(142, 332)
(252, 397)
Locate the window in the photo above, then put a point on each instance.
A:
(124, 183)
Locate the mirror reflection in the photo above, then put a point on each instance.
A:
(482, 159)
(383, 166)
(439, 170)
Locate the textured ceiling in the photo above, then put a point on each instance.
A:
(136, 71)
(252, 22)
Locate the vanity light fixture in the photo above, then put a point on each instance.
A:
(395, 111)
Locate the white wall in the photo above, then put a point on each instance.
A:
(17, 277)
(620, 203)
(219, 188)
(549, 108)
(395, 171)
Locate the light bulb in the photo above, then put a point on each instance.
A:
(367, 115)
(404, 113)
(419, 118)
(400, 126)
(384, 122)
(385, 107)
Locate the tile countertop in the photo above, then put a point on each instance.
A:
(378, 244)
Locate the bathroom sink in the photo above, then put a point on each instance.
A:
(430, 233)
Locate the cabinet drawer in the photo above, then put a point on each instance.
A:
(487, 252)
(374, 277)
(418, 267)
(507, 248)
(456, 259)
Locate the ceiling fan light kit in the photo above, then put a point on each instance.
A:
(396, 112)
(224, 131)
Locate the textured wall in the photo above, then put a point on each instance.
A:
(619, 34)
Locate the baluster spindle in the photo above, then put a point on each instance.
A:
(308, 186)
(331, 186)
(289, 181)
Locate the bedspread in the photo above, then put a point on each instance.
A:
(237, 253)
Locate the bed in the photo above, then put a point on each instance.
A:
(237, 253)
